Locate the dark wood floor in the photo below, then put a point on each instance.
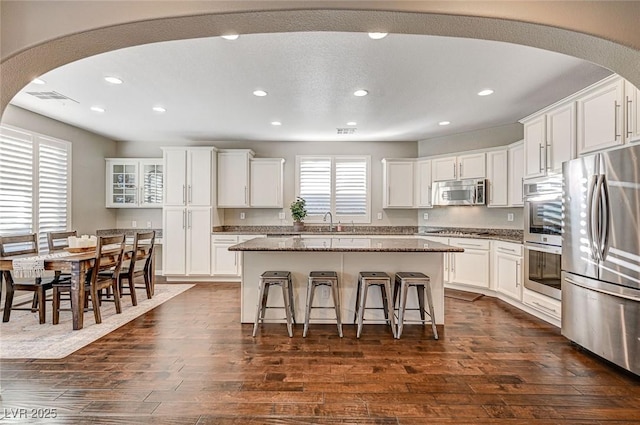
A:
(190, 361)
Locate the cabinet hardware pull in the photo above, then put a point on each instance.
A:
(245, 195)
(189, 219)
(547, 157)
(190, 195)
(461, 170)
(184, 194)
(507, 250)
(517, 273)
(470, 244)
(540, 157)
(455, 170)
(544, 307)
(453, 263)
(184, 219)
(615, 122)
(629, 116)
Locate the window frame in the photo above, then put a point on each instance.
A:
(345, 219)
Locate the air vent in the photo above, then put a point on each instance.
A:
(346, 130)
(50, 95)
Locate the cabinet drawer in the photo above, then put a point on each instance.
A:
(547, 305)
(225, 239)
(482, 244)
(508, 248)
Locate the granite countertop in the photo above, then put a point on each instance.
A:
(344, 244)
(505, 235)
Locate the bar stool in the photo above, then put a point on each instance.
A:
(365, 280)
(320, 278)
(422, 283)
(268, 279)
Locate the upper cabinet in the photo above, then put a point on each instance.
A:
(233, 178)
(516, 174)
(459, 167)
(266, 182)
(422, 183)
(190, 170)
(549, 140)
(632, 116)
(134, 182)
(497, 175)
(601, 116)
(398, 183)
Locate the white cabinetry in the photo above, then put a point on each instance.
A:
(535, 141)
(632, 116)
(516, 174)
(423, 183)
(507, 266)
(225, 262)
(266, 182)
(470, 267)
(497, 174)
(233, 178)
(187, 212)
(398, 183)
(471, 166)
(601, 113)
(134, 182)
(547, 305)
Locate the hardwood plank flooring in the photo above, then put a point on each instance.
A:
(190, 361)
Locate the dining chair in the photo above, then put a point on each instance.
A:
(104, 274)
(22, 245)
(141, 264)
(57, 242)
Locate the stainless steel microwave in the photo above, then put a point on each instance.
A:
(459, 192)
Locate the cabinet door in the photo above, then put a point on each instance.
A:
(444, 168)
(225, 262)
(175, 186)
(632, 112)
(600, 118)
(266, 182)
(233, 179)
(535, 143)
(497, 175)
(398, 181)
(509, 275)
(423, 184)
(516, 175)
(199, 241)
(199, 178)
(174, 241)
(470, 267)
(561, 137)
(472, 166)
(151, 182)
(122, 184)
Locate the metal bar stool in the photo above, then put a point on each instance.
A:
(422, 283)
(326, 278)
(365, 280)
(282, 279)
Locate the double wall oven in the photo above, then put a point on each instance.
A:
(542, 235)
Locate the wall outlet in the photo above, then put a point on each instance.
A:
(134, 223)
(379, 216)
(425, 216)
(509, 216)
(242, 216)
(149, 225)
(282, 216)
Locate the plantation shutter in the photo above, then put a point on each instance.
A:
(53, 184)
(16, 182)
(351, 187)
(315, 184)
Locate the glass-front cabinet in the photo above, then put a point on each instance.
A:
(134, 183)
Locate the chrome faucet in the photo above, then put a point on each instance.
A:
(328, 213)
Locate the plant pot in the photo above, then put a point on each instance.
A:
(298, 226)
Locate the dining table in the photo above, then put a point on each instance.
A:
(77, 264)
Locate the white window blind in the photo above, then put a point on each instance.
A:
(339, 184)
(34, 184)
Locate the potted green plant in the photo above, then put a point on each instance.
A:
(298, 213)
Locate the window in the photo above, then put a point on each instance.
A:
(35, 180)
(339, 184)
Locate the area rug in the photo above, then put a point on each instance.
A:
(24, 338)
(461, 295)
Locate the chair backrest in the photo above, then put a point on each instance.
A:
(109, 253)
(18, 245)
(143, 245)
(58, 240)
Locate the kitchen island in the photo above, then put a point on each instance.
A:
(347, 256)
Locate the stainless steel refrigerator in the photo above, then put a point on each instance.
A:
(601, 255)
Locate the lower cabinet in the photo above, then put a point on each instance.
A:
(507, 267)
(186, 247)
(547, 305)
(224, 262)
(470, 267)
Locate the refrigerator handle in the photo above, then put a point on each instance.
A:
(599, 217)
(591, 216)
(605, 214)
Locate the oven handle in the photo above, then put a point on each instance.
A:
(547, 249)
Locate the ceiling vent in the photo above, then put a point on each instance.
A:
(50, 95)
(350, 130)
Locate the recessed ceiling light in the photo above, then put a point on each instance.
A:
(113, 80)
(260, 93)
(377, 35)
(38, 81)
(360, 93)
(230, 36)
(97, 109)
(485, 92)
(352, 123)
(276, 123)
(159, 109)
(444, 123)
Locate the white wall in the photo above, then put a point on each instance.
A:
(88, 212)
(480, 139)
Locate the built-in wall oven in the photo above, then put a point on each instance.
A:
(543, 235)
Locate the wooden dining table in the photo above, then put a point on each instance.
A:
(75, 264)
